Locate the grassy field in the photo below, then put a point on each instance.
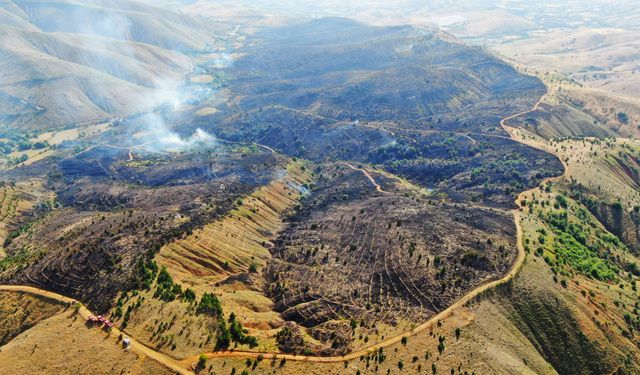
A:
(21, 311)
(82, 131)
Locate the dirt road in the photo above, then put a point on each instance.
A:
(364, 171)
(135, 346)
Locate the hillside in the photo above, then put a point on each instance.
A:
(267, 192)
(62, 342)
(21, 311)
(67, 62)
(149, 233)
(603, 58)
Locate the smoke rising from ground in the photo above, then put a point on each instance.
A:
(116, 32)
(157, 137)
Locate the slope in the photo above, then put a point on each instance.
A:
(73, 62)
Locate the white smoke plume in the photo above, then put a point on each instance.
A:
(158, 137)
(112, 30)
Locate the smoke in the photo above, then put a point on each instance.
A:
(223, 61)
(156, 136)
(161, 87)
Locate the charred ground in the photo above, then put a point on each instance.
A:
(354, 254)
(413, 101)
(115, 213)
(413, 105)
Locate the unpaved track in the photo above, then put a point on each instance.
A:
(364, 171)
(535, 107)
(135, 346)
(184, 366)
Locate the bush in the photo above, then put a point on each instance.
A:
(189, 295)
(202, 361)
(623, 117)
(210, 305)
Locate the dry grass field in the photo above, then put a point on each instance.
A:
(21, 311)
(64, 344)
(604, 58)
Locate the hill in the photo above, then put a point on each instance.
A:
(354, 198)
(67, 62)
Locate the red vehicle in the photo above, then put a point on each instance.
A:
(101, 319)
(92, 318)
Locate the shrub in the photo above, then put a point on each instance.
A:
(210, 305)
(623, 117)
(202, 361)
(189, 295)
(253, 268)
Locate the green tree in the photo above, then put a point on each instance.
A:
(202, 361)
(210, 305)
(623, 117)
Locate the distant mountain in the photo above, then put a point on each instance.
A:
(71, 62)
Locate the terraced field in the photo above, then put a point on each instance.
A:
(17, 201)
(231, 245)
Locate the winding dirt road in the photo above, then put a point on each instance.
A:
(364, 171)
(135, 346)
(535, 107)
(184, 366)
